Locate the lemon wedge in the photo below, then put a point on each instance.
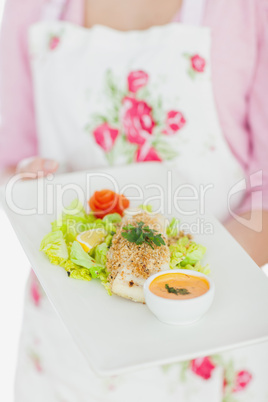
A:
(91, 238)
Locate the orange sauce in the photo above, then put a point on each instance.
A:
(179, 286)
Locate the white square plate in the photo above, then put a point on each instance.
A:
(134, 338)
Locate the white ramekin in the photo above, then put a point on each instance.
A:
(179, 312)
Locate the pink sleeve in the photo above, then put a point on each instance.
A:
(258, 118)
(17, 130)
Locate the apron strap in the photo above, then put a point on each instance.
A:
(53, 10)
(192, 12)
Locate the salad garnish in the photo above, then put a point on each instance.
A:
(172, 229)
(177, 291)
(80, 241)
(107, 202)
(142, 234)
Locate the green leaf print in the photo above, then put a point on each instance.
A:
(143, 94)
(122, 147)
(165, 150)
(186, 55)
(158, 112)
(229, 398)
(112, 89)
(184, 368)
(110, 157)
(217, 360)
(111, 85)
(191, 73)
(95, 121)
(166, 367)
(130, 151)
(116, 94)
(230, 373)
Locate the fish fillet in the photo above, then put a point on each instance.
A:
(130, 264)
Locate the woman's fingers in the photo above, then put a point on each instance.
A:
(50, 166)
(33, 168)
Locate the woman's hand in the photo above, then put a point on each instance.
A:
(34, 168)
(30, 168)
(253, 240)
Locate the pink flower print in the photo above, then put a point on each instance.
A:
(36, 341)
(146, 156)
(137, 80)
(242, 380)
(224, 384)
(37, 365)
(35, 358)
(174, 122)
(54, 42)
(111, 387)
(35, 290)
(137, 120)
(198, 63)
(202, 367)
(105, 136)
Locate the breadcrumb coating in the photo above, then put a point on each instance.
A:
(141, 260)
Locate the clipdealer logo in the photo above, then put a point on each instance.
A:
(50, 195)
(53, 197)
(253, 190)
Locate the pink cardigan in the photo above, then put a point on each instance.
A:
(240, 78)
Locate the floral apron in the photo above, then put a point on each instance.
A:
(103, 98)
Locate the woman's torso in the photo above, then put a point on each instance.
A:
(89, 115)
(236, 29)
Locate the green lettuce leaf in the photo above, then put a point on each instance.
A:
(81, 273)
(80, 257)
(194, 253)
(108, 240)
(109, 221)
(187, 254)
(104, 281)
(112, 218)
(54, 246)
(69, 266)
(62, 249)
(176, 255)
(90, 265)
(100, 254)
(147, 208)
(199, 268)
(73, 221)
(173, 228)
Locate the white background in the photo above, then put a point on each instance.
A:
(14, 271)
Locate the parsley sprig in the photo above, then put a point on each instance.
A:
(176, 291)
(142, 234)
